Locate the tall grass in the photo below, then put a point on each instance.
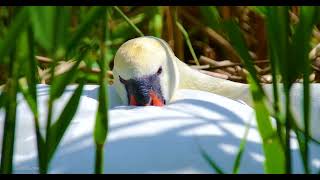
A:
(288, 49)
(49, 31)
(91, 36)
(289, 58)
(40, 28)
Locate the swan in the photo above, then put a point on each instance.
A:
(148, 139)
(146, 72)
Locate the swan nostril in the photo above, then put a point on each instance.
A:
(123, 81)
(159, 71)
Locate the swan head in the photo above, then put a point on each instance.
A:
(145, 72)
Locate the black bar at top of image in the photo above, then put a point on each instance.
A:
(156, 2)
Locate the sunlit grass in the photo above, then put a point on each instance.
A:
(289, 57)
(91, 36)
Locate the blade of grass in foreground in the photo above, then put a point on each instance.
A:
(261, 10)
(9, 128)
(156, 23)
(273, 56)
(211, 16)
(11, 45)
(29, 91)
(211, 162)
(11, 91)
(60, 82)
(60, 126)
(41, 21)
(101, 123)
(61, 32)
(94, 14)
(19, 23)
(278, 18)
(274, 154)
(273, 149)
(240, 46)
(300, 51)
(236, 165)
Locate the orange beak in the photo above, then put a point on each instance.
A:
(133, 101)
(155, 100)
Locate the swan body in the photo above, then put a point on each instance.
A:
(148, 139)
(155, 139)
(142, 56)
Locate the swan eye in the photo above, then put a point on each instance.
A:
(159, 71)
(122, 80)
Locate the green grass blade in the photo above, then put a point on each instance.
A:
(61, 33)
(274, 154)
(26, 53)
(122, 31)
(261, 10)
(317, 16)
(60, 82)
(186, 37)
(236, 165)
(156, 22)
(273, 56)
(42, 19)
(19, 23)
(59, 127)
(10, 115)
(40, 140)
(273, 149)
(9, 129)
(211, 162)
(211, 16)
(93, 15)
(300, 51)
(240, 46)
(32, 79)
(137, 30)
(29, 89)
(275, 71)
(31, 71)
(101, 123)
(303, 143)
(278, 18)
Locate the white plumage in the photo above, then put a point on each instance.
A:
(178, 75)
(149, 139)
(160, 139)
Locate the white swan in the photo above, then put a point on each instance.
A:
(148, 139)
(147, 72)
